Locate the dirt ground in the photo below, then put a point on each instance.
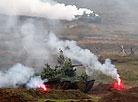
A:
(38, 95)
(101, 89)
(104, 92)
(129, 95)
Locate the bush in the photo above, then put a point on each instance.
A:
(67, 70)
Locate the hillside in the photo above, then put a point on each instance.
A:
(118, 27)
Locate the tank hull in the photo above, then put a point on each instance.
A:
(66, 84)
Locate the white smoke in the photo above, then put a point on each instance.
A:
(35, 82)
(20, 75)
(17, 75)
(84, 56)
(41, 8)
(50, 1)
(32, 41)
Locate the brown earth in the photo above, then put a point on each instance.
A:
(101, 89)
(58, 94)
(31, 95)
(130, 95)
(107, 42)
(11, 96)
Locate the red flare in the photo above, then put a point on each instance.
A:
(118, 85)
(44, 87)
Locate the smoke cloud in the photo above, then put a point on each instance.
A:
(84, 56)
(20, 75)
(43, 8)
(33, 41)
(35, 82)
(32, 38)
(15, 76)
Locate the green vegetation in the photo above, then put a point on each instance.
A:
(83, 77)
(68, 100)
(48, 72)
(65, 69)
(50, 100)
(95, 99)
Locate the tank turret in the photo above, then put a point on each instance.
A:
(89, 18)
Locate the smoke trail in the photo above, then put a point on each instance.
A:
(84, 56)
(41, 8)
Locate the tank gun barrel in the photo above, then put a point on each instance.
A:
(77, 65)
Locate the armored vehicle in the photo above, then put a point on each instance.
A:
(64, 76)
(89, 18)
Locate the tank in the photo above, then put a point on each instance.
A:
(81, 85)
(65, 84)
(64, 76)
(89, 18)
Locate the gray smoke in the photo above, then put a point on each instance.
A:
(44, 8)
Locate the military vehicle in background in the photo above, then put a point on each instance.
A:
(89, 18)
(63, 76)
